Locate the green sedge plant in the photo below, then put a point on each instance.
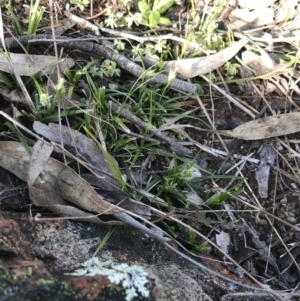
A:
(36, 12)
(35, 16)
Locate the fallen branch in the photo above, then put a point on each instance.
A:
(102, 51)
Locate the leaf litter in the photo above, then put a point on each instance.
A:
(82, 147)
(60, 184)
(254, 127)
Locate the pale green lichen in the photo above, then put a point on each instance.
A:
(132, 278)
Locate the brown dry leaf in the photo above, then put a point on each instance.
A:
(40, 154)
(267, 127)
(82, 147)
(196, 66)
(59, 181)
(27, 65)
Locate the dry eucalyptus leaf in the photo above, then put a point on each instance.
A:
(28, 65)
(83, 148)
(59, 181)
(267, 127)
(196, 66)
(41, 152)
(13, 157)
(43, 195)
